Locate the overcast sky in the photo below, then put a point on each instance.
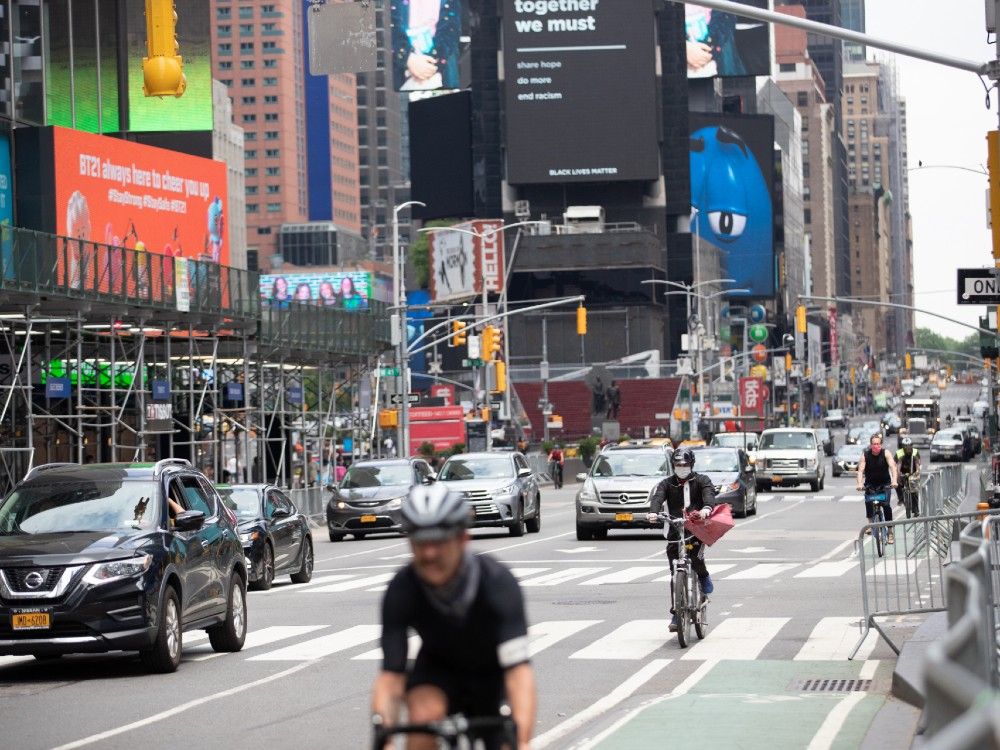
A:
(947, 121)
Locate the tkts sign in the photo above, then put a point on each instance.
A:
(752, 397)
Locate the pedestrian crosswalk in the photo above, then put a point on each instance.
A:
(729, 638)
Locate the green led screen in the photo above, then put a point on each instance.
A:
(193, 110)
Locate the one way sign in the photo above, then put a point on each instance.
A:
(397, 398)
(978, 286)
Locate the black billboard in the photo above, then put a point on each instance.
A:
(732, 197)
(441, 155)
(580, 90)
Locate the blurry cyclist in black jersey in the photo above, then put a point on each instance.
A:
(469, 613)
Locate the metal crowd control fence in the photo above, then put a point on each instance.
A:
(311, 501)
(910, 578)
(962, 704)
(942, 491)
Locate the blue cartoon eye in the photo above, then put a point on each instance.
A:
(727, 224)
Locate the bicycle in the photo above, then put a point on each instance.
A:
(880, 532)
(910, 490)
(556, 472)
(690, 605)
(456, 732)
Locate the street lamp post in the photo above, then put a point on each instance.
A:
(402, 354)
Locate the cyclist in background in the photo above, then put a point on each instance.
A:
(680, 493)
(557, 462)
(908, 459)
(877, 469)
(469, 613)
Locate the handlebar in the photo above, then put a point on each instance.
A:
(451, 729)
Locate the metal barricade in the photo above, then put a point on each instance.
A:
(910, 578)
(311, 501)
(962, 671)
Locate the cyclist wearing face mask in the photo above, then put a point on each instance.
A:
(682, 492)
(877, 470)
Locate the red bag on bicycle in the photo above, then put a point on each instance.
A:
(710, 530)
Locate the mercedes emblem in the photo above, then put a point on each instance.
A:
(623, 498)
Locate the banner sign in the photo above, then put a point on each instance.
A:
(751, 397)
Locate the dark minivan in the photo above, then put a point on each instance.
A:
(119, 557)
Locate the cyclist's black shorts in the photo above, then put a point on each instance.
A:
(471, 695)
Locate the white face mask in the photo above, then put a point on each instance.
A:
(682, 472)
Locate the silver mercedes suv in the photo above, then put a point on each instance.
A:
(616, 491)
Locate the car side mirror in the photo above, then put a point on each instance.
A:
(581, 477)
(189, 520)
(522, 473)
(331, 487)
(281, 513)
(430, 478)
(750, 468)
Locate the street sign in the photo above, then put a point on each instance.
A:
(474, 347)
(978, 286)
(397, 398)
(757, 314)
(758, 333)
(390, 372)
(472, 362)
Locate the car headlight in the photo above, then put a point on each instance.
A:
(250, 537)
(117, 570)
(341, 505)
(589, 492)
(510, 489)
(395, 504)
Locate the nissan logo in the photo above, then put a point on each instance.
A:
(33, 580)
(623, 498)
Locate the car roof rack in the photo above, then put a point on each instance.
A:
(163, 463)
(46, 467)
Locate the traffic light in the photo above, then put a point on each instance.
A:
(499, 376)
(788, 363)
(492, 343)
(459, 333)
(908, 361)
(581, 321)
(800, 319)
(163, 68)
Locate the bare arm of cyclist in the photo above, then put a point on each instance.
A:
(521, 694)
(893, 469)
(861, 472)
(387, 696)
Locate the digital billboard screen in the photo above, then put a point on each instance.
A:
(192, 110)
(129, 195)
(580, 91)
(426, 44)
(347, 290)
(725, 45)
(732, 200)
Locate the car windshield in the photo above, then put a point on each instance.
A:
(946, 436)
(244, 502)
(835, 413)
(372, 475)
(735, 440)
(824, 434)
(788, 441)
(850, 452)
(857, 432)
(631, 464)
(82, 505)
(719, 461)
(460, 469)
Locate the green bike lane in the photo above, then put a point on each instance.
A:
(756, 704)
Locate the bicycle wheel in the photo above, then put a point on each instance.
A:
(700, 613)
(681, 607)
(879, 532)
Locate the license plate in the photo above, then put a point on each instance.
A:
(31, 621)
(369, 519)
(623, 516)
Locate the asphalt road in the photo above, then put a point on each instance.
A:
(786, 608)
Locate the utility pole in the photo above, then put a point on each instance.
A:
(546, 407)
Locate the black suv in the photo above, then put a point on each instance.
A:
(119, 557)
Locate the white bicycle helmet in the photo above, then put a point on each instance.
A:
(433, 513)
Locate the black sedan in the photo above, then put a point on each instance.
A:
(118, 557)
(369, 497)
(733, 476)
(276, 537)
(847, 458)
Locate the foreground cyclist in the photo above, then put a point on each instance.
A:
(877, 469)
(682, 492)
(469, 613)
(908, 460)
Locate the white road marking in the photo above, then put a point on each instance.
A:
(577, 550)
(834, 722)
(893, 567)
(601, 706)
(828, 569)
(714, 570)
(496, 550)
(357, 583)
(868, 669)
(267, 636)
(766, 498)
(737, 639)
(184, 707)
(525, 572)
(761, 571)
(412, 649)
(693, 679)
(634, 640)
(825, 498)
(834, 638)
(753, 550)
(561, 576)
(317, 648)
(852, 499)
(542, 635)
(833, 553)
(287, 588)
(626, 575)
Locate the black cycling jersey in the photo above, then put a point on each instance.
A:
(491, 637)
(877, 472)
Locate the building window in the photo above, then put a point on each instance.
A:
(249, 100)
(248, 81)
(251, 171)
(246, 48)
(271, 99)
(273, 207)
(271, 28)
(251, 190)
(263, 230)
(266, 9)
(250, 136)
(246, 64)
(805, 169)
(223, 13)
(270, 46)
(250, 153)
(270, 81)
(802, 98)
(227, 82)
(225, 64)
(270, 63)
(270, 116)
(246, 29)
(250, 118)
(787, 67)
(252, 208)
(225, 30)
(271, 135)
(273, 189)
(246, 11)
(807, 215)
(225, 48)
(272, 153)
(272, 171)
(252, 259)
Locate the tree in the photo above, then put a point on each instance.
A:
(419, 251)
(927, 339)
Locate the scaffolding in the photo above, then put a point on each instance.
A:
(112, 355)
